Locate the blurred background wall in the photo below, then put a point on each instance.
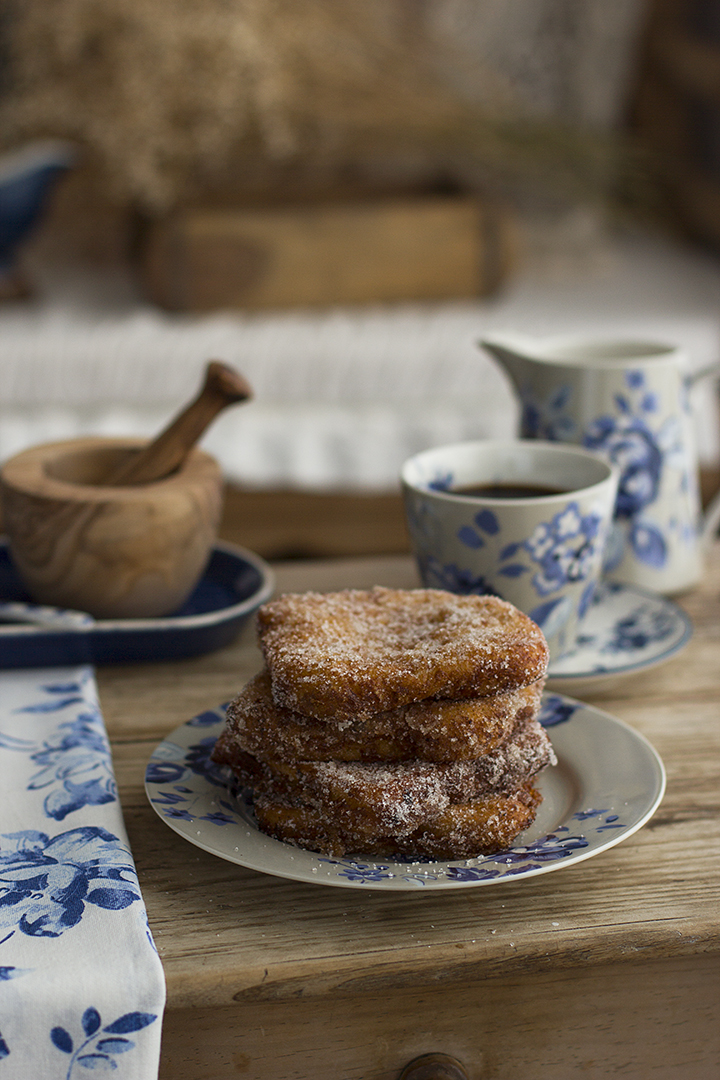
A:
(340, 197)
(172, 104)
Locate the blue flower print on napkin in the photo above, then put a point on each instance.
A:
(73, 926)
(45, 883)
(76, 766)
(100, 1045)
(75, 760)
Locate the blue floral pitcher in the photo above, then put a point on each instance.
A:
(628, 400)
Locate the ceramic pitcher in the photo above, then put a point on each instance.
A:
(629, 401)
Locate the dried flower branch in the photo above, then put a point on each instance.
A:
(167, 94)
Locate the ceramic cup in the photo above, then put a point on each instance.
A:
(541, 551)
(629, 401)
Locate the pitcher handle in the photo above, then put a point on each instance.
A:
(712, 369)
(711, 521)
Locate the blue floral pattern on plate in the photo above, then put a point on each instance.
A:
(607, 784)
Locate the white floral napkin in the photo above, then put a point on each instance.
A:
(81, 984)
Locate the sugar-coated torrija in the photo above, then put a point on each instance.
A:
(392, 722)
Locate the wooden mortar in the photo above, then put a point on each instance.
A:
(113, 551)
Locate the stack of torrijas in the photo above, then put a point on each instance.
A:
(392, 722)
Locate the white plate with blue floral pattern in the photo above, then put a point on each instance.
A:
(608, 782)
(624, 630)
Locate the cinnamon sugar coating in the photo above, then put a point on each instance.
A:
(463, 830)
(434, 730)
(392, 722)
(350, 654)
(395, 798)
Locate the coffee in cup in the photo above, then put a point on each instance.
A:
(521, 519)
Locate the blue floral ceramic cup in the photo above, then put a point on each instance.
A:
(628, 400)
(521, 519)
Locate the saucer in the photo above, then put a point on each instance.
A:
(625, 630)
(234, 584)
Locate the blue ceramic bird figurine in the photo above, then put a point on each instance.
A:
(27, 176)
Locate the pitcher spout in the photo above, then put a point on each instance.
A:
(515, 353)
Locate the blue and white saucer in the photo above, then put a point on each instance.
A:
(235, 582)
(625, 630)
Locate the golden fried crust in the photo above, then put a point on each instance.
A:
(350, 654)
(461, 831)
(430, 730)
(396, 798)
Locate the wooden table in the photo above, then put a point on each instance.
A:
(611, 966)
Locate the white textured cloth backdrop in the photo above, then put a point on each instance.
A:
(341, 397)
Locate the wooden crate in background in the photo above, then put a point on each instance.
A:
(291, 524)
(320, 254)
(303, 524)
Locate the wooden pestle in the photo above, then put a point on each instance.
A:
(133, 541)
(223, 386)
